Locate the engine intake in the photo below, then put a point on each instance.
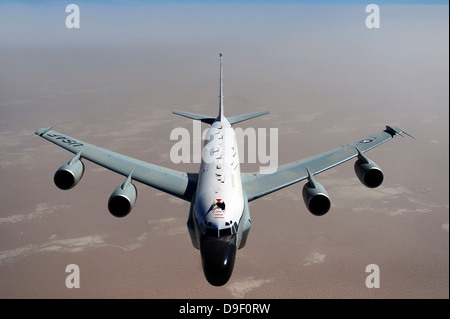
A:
(122, 200)
(368, 172)
(68, 175)
(316, 198)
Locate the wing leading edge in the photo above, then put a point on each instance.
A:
(257, 185)
(176, 183)
(183, 185)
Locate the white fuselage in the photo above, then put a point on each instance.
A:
(219, 203)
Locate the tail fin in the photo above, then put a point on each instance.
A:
(209, 119)
(220, 116)
(236, 118)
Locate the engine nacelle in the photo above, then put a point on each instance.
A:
(68, 175)
(122, 200)
(368, 172)
(316, 198)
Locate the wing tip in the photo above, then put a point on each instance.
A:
(394, 131)
(43, 130)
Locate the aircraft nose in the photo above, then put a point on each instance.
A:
(218, 255)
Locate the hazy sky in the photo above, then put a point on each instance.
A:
(327, 80)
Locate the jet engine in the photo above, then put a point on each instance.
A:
(368, 172)
(316, 198)
(123, 198)
(68, 175)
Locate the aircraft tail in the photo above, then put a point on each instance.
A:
(209, 119)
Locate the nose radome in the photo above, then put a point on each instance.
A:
(218, 256)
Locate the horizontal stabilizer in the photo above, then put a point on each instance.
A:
(240, 118)
(200, 117)
(210, 119)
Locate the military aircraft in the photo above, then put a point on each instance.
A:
(219, 217)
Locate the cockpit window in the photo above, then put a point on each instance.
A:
(214, 232)
(225, 232)
(211, 230)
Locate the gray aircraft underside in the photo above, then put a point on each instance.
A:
(219, 218)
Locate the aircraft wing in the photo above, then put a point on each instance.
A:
(179, 184)
(257, 184)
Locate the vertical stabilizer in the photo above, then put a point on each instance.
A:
(219, 117)
(211, 119)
